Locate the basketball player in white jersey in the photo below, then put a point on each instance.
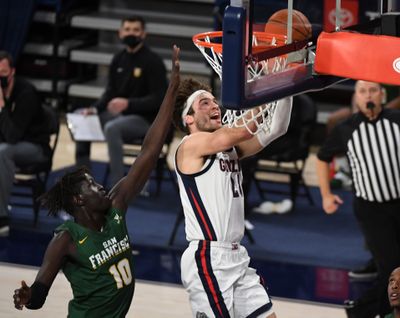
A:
(214, 267)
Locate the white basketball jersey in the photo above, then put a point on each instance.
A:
(212, 199)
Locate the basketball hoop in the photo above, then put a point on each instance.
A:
(210, 45)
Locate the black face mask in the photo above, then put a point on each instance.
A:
(131, 41)
(3, 82)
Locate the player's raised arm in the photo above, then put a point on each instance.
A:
(139, 172)
(279, 127)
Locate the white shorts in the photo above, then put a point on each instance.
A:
(220, 282)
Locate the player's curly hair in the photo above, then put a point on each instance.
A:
(61, 195)
(186, 88)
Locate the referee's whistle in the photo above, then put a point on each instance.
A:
(370, 105)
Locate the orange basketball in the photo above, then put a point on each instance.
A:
(277, 24)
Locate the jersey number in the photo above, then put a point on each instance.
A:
(121, 273)
(236, 186)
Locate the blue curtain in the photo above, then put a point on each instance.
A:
(15, 19)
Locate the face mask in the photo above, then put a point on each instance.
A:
(131, 41)
(3, 81)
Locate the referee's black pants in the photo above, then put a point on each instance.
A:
(380, 224)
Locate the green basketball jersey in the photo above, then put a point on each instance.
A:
(101, 274)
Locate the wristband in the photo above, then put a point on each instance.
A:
(263, 138)
(39, 293)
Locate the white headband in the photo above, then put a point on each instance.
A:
(189, 103)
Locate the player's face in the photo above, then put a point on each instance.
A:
(368, 92)
(94, 195)
(394, 288)
(132, 28)
(207, 114)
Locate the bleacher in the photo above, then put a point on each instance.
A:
(69, 48)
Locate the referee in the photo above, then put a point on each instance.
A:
(371, 141)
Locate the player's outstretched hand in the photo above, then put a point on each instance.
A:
(22, 296)
(175, 78)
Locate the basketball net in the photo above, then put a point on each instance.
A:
(261, 116)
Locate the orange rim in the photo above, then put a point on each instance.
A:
(262, 37)
(199, 39)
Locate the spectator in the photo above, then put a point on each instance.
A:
(136, 85)
(370, 140)
(393, 291)
(24, 138)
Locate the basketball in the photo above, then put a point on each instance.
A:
(277, 24)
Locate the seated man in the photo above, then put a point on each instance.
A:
(24, 138)
(136, 85)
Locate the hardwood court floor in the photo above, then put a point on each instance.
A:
(151, 300)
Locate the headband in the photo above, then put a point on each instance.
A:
(189, 103)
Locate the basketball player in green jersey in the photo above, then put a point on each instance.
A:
(94, 251)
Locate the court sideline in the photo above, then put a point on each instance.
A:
(151, 300)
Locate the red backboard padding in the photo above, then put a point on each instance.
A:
(374, 58)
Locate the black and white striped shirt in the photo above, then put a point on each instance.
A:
(372, 148)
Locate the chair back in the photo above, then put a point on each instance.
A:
(53, 121)
(34, 176)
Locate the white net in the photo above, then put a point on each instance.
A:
(257, 118)
(254, 119)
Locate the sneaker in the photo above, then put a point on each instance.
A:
(266, 207)
(284, 207)
(346, 179)
(248, 225)
(367, 272)
(4, 226)
(341, 180)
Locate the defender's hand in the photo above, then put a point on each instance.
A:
(175, 77)
(22, 296)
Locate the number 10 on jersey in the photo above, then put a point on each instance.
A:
(121, 273)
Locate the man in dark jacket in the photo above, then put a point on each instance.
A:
(136, 85)
(24, 137)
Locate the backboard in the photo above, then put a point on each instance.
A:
(242, 18)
